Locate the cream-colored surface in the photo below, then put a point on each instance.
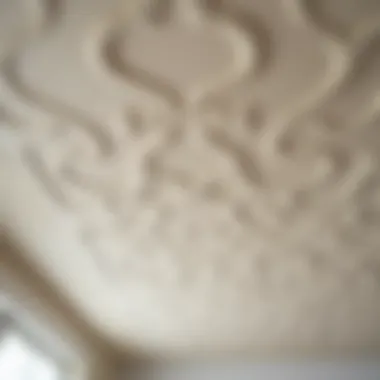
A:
(199, 175)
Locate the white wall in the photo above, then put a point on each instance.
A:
(311, 370)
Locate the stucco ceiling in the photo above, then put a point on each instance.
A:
(198, 175)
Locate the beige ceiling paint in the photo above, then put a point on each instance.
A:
(198, 176)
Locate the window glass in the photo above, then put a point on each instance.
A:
(20, 360)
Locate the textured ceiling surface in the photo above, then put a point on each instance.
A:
(199, 175)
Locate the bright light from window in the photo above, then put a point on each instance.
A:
(20, 361)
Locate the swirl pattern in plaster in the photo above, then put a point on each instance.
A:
(204, 149)
(206, 53)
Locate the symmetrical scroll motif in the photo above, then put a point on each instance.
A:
(199, 52)
(218, 112)
(187, 134)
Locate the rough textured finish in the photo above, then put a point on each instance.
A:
(199, 175)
